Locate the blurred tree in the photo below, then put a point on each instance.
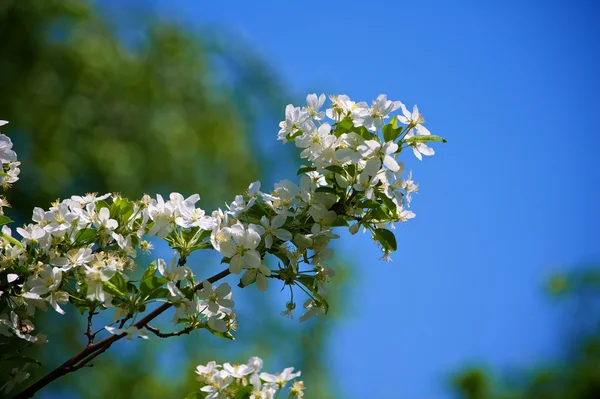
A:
(90, 114)
(93, 110)
(575, 377)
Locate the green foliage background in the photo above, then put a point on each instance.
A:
(92, 111)
(576, 375)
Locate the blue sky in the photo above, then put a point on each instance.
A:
(509, 200)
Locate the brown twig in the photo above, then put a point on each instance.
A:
(88, 332)
(90, 352)
(161, 334)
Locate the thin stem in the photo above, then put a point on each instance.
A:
(12, 240)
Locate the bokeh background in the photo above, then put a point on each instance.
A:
(494, 291)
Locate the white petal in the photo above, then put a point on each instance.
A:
(417, 153)
(236, 264)
(423, 149)
(422, 131)
(278, 221)
(261, 282)
(391, 163)
(269, 241)
(283, 235)
(252, 259)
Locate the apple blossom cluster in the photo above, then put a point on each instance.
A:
(244, 381)
(82, 250)
(10, 165)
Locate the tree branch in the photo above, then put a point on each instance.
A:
(161, 334)
(90, 352)
(88, 333)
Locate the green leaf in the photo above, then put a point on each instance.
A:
(244, 393)
(256, 211)
(149, 272)
(378, 214)
(306, 169)
(150, 282)
(307, 280)
(370, 204)
(132, 288)
(85, 236)
(426, 139)
(101, 204)
(19, 359)
(387, 201)
(339, 221)
(159, 293)
(226, 334)
(386, 238)
(345, 124)
(325, 189)
(149, 285)
(5, 220)
(390, 133)
(351, 169)
(119, 282)
(126, 211)
(112, 289)
(336, 169)
(364, 133)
